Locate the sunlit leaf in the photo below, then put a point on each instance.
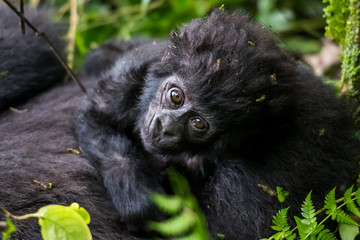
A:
(64, 223)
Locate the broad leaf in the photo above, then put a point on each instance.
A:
(64, 223)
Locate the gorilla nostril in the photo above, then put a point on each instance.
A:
(158, 125)
(168, 132)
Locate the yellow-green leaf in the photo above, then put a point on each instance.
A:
(64, 223)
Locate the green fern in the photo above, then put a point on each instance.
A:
(177, 225)
(281, 221)
(326, 235)
(186, 220)
(335, 212)
(330, 204)
(342, 217)
(357, 196)
(282, 226)
(350, 204)
(167, 204)
(308, 211)
(308, 227)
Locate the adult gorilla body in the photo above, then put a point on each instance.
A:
(220, 102)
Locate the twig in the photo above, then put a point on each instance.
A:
(22, 24)
(9, 215)
(43, 35)
(71, 33)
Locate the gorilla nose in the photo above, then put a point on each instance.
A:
(168, 126)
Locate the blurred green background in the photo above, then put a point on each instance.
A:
(299, 23)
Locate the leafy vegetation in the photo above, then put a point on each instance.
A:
(308, 226)
(186, 220)
(299, 23)
(342, 17)
(57, 222)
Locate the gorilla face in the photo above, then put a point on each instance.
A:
(173, 120)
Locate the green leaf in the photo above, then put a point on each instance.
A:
(82, 212)
(281, 221)
(308, 211)
(330, 204)
(342, 217)
(318, 229)
(326, 235)
(9, 229)
(348, 232)
(347, 194)
(292, 236)
(281, 195)
(64, 223)
(186, 218)
(304, 229)
(166, 203)
(350, 204)
(220, 235)
(357, 196)
(179, 184)
(176, 225)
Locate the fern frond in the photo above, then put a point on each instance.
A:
(342, 217)
(350, 204)
(167, 204)
(357, 196)
(326, 235)
(308, 211)
(347, 194)
(330, 204)
(291, 236)
(318, 229)
(175, 225)
(281, 221)
(288, 235)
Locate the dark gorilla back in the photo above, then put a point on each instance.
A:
(27, 64)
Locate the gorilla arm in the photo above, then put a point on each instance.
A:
(105, 131)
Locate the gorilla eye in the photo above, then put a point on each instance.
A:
(198, 123)
(176, 96)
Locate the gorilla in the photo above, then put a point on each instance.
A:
(219, 101)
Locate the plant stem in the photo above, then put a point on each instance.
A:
(23, 217)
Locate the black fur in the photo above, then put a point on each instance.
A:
(269, 121)
(27, 64)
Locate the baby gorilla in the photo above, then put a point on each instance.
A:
(224, 105)
(220, 102)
